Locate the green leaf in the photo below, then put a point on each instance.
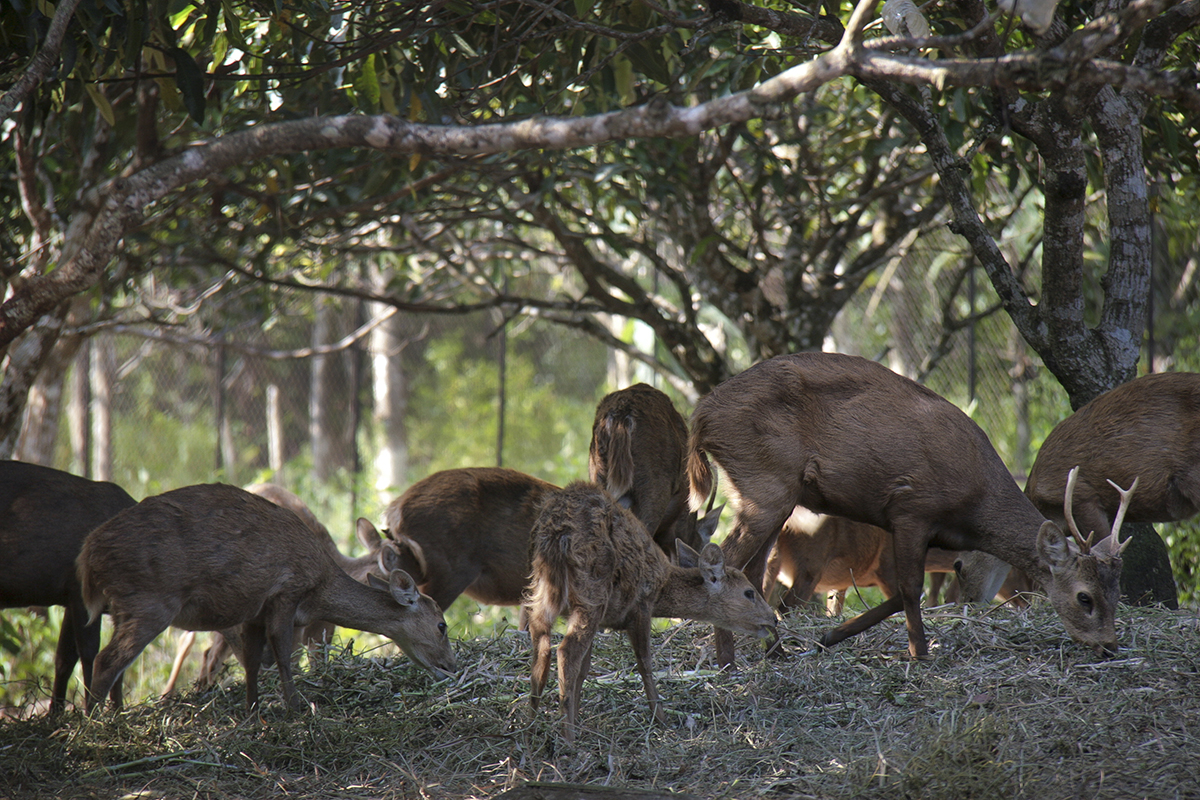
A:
(190, 81)
(366, 85)
(101, 103)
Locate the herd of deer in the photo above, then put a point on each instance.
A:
(842, 472)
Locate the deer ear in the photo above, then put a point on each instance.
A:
(367, 534)
(389, 556)
(712, 563)
(706, 526)
(685, 556)
(404, 588)
(1053, 547)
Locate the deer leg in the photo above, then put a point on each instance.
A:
(639, 637)
(867, 619)
(66, 654)
(539, 639)
(281, 633)
(910, 544)
(130, 637)
(214, 658)
(253, 639)
(748, 546)
(574, 659)
(181, 653)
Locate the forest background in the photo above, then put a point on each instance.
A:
(347, 318)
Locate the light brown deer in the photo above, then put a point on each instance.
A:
(467, 531)
(637, 453)
(44, 516)
(821, 553)
(213, 557)
(380, 559)
(843, 435)
(594, 563)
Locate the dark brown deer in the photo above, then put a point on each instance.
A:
(637, 453)
(44, 516)
(380, 559)
(594, 563)
(1148, 429)
(214, 557)
(821, 553)
(843, 435)
(467, 531)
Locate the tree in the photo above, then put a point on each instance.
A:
(489, 73)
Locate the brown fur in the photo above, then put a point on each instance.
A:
(467, 531)
(594, 564)
(380, 559)
(213, 557)
(637, 453)
(843, 435)
(1147, 429)
(44, 516)
(819, 553)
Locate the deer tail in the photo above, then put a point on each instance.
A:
(699, 473)
(611, 456)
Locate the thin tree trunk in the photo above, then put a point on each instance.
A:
(390, 388)
(101, 386)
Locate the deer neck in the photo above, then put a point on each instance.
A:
(350, 604)
(681, 594)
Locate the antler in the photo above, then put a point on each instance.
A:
(1118, 546)
(1068, 500)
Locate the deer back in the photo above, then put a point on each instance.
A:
(468, 530)
(45, 514)
(637, 454)
(845, 436)
(210, 554)
(1149, 429)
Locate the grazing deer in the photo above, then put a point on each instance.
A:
(594, 563)
(820, 553)
(380, 559)
(842, 435)
(467, 531)
(44, 516)
(213, 557)
(637, 453)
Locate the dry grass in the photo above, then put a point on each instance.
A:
(1007, 708)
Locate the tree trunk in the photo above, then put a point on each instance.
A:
(391, 401)
(101, 386)
(1146, 577)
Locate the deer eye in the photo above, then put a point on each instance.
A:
(749, 594)
(1084, 599)
(442, 628)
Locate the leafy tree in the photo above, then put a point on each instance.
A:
(248, 137)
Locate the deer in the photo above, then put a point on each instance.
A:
(467, 531)
(821, 553)
(213, 557)
(594, 563)
(45, 514)
(839, 434)
(637, 454)
(1148, 430)
(380, 559)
